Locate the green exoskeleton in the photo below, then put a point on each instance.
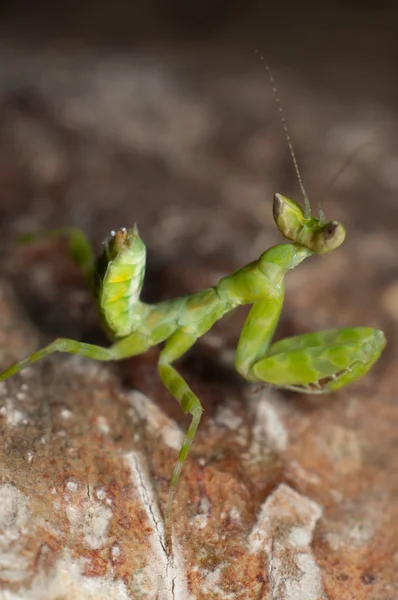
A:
(312, 363)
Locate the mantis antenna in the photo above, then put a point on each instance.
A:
(344, 166)
(288, 138)
(347, 163)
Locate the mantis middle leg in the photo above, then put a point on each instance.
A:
(174, 348)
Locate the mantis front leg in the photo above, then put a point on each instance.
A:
(316, 362)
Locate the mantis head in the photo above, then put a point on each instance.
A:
(122, 240)
(123, 246)
(315, 234)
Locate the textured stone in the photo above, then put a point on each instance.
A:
(284, 496)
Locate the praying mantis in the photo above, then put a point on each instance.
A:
(314, 363)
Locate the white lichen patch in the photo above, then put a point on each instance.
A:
(226, 417)
(100, 493)
(284, 531)
(65, 413)
(15, 417)
(213, 585)
(235, 516)
(13, 510)
(97, 522)
(89, 520)
(14, 516)
(299, 537)
(156, 420)
(164, 577)
(72, 485)
(201, 519)
(268, 429)
(102, 425)
(305, 581)
(66, 580)
(115, 552)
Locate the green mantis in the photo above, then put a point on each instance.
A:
(312, 363)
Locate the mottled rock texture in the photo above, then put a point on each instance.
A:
(284, 497)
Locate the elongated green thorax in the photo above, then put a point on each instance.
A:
(315, 234)
(119, 278)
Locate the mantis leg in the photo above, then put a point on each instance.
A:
(257, 333)
(314, 362)
(322, 361)
(175, 347)
(79, 246)
(129, 346)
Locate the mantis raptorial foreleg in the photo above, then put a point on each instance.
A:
(316, 362)
(257, 332)
(321, 361)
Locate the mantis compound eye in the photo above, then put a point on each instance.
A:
(330, 229)
(331, 237)
(288, 216)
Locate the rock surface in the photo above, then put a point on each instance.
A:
(284, 497)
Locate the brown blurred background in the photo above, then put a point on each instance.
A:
(135, 110)
(162, 113)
